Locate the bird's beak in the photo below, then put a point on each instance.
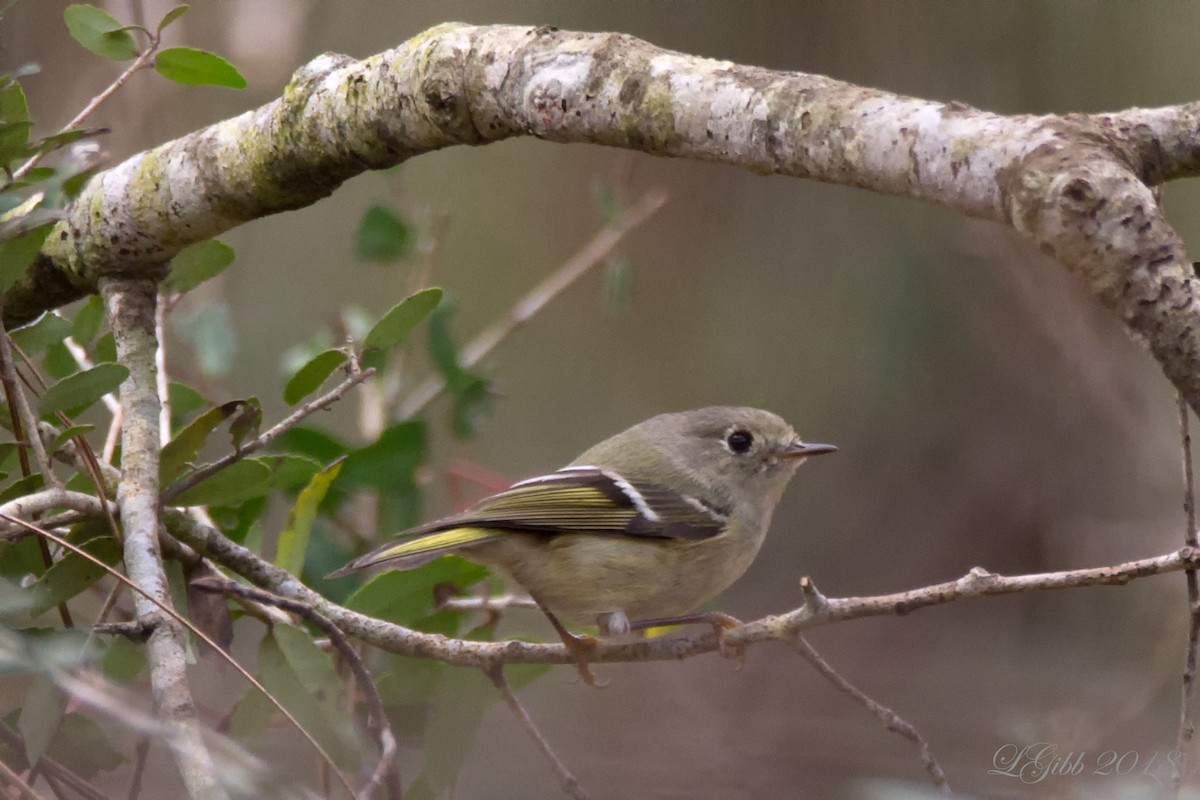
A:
(799, 449)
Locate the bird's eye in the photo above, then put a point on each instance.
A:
(739, 441)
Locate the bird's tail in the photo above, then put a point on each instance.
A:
(418, 550)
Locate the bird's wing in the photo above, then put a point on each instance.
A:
(589, 500)
(573, 500)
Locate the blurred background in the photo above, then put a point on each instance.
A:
(988, 411)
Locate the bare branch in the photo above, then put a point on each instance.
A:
(355, 377)
(593, 253)
(570, 783)
(404, 641)
(890, 719)
(1187, 724)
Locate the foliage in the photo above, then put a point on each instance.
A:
(323, 479)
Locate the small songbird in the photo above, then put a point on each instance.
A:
(638, 531)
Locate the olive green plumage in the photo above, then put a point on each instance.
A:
(650, 523)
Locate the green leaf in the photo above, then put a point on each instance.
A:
(290, 471)
(472, 401)
(197, 263)
(44, 331)
(197, 68)
(210, 333)
(184, 402)
(310, 696)
(396, 324)
(183, 448)
(618, 288)
(471, 393)
(106, 349)
(18, 253)
(459, 703)
(404, 597)
(82, 389)
(311, 664)
(390, 459)
(87, 320)
(72, 574)
(66, 435)
(310, 377)
(14, 123)
(236, 521)
(312, 442)
(22, 486)
(293, 539)
(383, 236)
(82, 746)
(240, 481)
(40, 714)
(20, 558)
(172, 15)
(99, 32)
(442, 349)
(123, 660)
(608, 201)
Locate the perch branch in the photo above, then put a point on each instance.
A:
(404, 641)
(1187, 724)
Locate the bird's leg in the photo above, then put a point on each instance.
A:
(580, 646)
(721, 623)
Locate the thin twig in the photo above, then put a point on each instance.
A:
(139, 766)
(143, 61)
(163, 384)
(356, 377)
(14, 780)
(589, 256)
(1187, 724)
(890, 719)
(378, 718)
(173, 614)
(570, 783)
(29, 423)
(112, 437)
(25, 427)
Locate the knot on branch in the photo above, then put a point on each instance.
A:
(977, 580)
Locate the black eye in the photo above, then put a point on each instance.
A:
(739, 441)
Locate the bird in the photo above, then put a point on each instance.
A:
(637, 532)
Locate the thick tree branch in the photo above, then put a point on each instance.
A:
(1077, 185)
(129, 305)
